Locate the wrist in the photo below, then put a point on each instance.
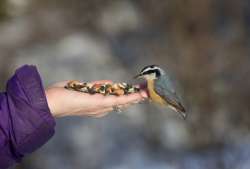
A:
(51, 103)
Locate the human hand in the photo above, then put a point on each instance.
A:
(63, 102)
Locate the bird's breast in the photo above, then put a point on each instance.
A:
(153, 95)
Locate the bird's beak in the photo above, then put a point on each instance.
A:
(182, 111)
(183, 115)
(137, 76)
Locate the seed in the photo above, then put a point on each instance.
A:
(136, 89)
(118, 92)
(84, 89)
(72, 83)
(105, 89)
(102, 89)
(115, 86)
(89, 85)
(96, 87)
(122, 85)
(108, 89)
(91, 91)
(131, 90)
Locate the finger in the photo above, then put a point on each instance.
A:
(144, 93)
(120, 108)
(132, 98)
(100, 113)
(106, 111)
(121, 100)
(124, 106)
(143, 89)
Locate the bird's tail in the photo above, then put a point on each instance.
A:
(178, 107)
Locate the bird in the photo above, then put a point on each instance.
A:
(161, 89)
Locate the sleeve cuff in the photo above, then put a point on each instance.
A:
(31, 121)
(31, 82)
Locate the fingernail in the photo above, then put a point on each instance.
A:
(144, 94)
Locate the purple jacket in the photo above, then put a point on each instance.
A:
(25, 119)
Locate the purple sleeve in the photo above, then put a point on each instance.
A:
(25, 119)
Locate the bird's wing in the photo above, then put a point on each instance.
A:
(166, 90)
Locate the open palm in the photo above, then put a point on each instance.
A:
(64, 102)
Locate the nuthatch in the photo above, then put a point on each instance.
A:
(161, 89)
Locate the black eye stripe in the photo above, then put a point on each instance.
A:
(156, 71)
(149, 67)
(150, 71)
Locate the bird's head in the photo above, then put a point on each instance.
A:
(150, 72)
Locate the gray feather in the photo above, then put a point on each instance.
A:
(165, 88)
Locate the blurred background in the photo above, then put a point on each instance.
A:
(203, 43)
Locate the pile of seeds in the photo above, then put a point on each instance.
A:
(117, 89)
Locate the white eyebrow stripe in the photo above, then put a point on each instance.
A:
(152, 69)
(147, 69)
